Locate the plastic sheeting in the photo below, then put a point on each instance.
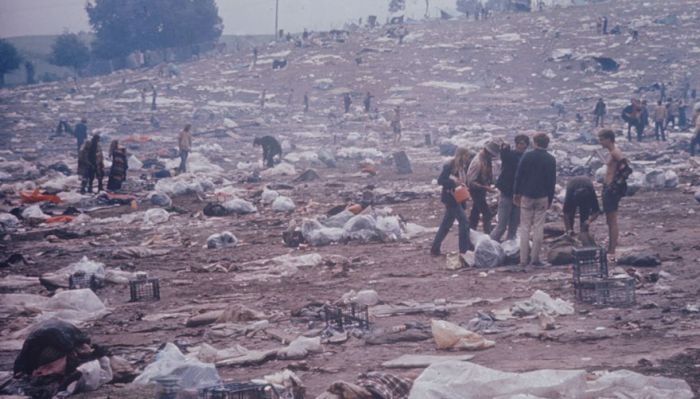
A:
(170, 362)
(156, 216)
(283, 204)
(463, 380)
(239, 206)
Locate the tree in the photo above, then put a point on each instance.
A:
(397, 5)
(9, 59)
(123, 26)
(69, 51)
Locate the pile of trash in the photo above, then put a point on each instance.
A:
(58, 360)
(369, 225)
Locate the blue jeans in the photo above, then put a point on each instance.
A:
(183, 161)
(508, 218)
(452, 212)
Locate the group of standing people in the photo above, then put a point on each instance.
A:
(636, 114)
(526, 185)
(91, 160)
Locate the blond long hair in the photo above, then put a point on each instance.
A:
(463, 157)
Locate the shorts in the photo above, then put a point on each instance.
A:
(611, 200)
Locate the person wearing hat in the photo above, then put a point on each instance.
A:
(480, 181)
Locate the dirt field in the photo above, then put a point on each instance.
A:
(659, 335)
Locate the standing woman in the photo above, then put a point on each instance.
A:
(454, 174)
(117, 173)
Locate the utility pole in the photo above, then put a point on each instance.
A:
(277, 10)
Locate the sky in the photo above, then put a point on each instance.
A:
(50, 17)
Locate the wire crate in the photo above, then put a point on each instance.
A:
(590, 262)
(340, 318)
(236, 390)
(80, 280)
(618, 292)
(144, 289)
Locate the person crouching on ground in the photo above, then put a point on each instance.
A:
(117, 173)
(454, 173)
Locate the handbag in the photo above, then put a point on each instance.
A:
(461, 194)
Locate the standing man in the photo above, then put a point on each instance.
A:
(660, 121)
(696, 130)
(367, 102)
(534, 190)
(81, 133)
(479, 181)
(632, 115)
(346, 102)
(184, 143)
(91, 165)
(154, 94)
(599, 111)
(509, 215)
(614, 186)
(672, 109)
(396, 124)
(306, 102)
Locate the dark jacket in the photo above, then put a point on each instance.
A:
(536, 175)
(509, 165)
(599, 108)
(448, 185)
(80, 132)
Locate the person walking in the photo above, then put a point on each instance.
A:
(660, 114)
(184, 142)
(454, 174)
(508, 214)
(117, 172)
(534, 190)
(614, 186)
(479, 181)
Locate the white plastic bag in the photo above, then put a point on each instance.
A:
(221, 240)
(170, 362)
(283, 204)
(239, 206)
(452, 336)
(156, 216)
(268, 196)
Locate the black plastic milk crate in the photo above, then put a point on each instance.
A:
(80, 280)
(619, 292)
(340, 317)
(590, 262)
(236, 390)
(144, 289)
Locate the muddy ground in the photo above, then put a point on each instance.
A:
(504, 93)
